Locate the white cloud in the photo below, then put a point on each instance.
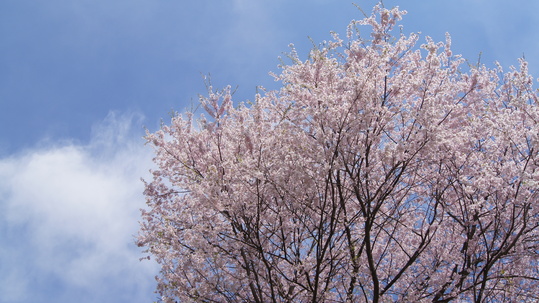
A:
(69, 214)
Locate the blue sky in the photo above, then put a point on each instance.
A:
(79, 81)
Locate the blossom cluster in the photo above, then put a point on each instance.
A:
(379, 172)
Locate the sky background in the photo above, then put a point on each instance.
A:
(81, 79)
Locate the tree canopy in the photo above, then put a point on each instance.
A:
(379, 172)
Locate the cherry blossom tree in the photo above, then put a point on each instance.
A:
(379, 172)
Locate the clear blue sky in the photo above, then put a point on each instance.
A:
(80, 79)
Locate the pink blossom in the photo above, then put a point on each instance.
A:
(379, 172)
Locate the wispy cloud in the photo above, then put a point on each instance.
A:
(69, 214)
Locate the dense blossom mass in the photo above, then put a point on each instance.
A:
(379, 172)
